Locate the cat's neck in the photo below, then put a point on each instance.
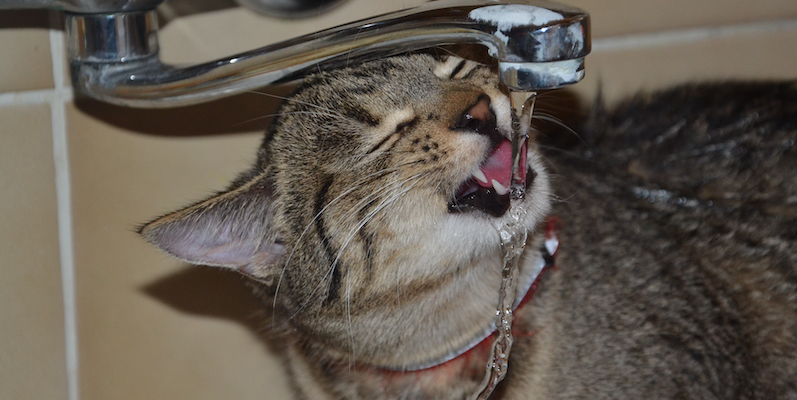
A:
(463, 370)
(481, 349)
(481, 345)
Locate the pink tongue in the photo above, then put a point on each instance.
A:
(499, 166)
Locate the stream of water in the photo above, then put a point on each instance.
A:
(513, 234)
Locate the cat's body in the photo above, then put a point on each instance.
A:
(676, 276)
(677, 272)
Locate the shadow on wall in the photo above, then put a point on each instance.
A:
(220, 294)
(249, 112)
(211, 292)
(13, 19)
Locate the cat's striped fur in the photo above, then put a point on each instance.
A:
(345, 226)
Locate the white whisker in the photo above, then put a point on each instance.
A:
(293, 100)
(557, 121)
(562, 151)
(280, 114)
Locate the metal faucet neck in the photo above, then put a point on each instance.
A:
(114, 55)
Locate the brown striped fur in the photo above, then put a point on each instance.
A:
(677, 276)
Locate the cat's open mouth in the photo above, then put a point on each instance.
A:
(487, 189)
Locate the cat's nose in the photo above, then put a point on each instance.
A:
(480, 118)
(479, 112)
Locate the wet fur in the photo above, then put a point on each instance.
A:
(677, 277)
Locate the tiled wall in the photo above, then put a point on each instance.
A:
(32, 351)
(88, 311)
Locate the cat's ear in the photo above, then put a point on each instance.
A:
(231, 229)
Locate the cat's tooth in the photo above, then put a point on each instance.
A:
(499, 188)
(479, 175)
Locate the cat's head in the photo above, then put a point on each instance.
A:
(365, 216)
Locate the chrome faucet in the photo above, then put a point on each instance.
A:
(113, 48)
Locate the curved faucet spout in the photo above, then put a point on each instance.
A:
(538, 45)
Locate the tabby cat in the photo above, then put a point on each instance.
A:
(367, 224)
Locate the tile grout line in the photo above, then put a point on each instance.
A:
(689, 35)
(57, 100)
(29, 97)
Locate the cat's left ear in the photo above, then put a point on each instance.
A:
(231, 229)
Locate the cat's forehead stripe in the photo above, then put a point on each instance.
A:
(465, 70)
(384, 132)
(445, 69)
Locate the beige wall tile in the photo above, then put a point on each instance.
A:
(205, 37)
(619, 17)
(746, 55)
(25, 62)
(32, 356)
(151, 327)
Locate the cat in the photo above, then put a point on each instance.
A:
(368, 225)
